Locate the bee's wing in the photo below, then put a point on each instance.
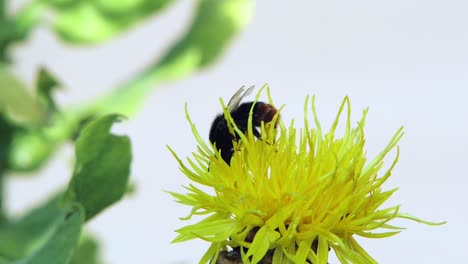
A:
(237, 97)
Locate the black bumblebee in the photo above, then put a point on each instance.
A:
(219, 132)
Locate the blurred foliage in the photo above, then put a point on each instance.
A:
(19, 237)
(87, 22)
(214, 25)
(16, 102)
(59, 246)
(86, 252)
(46, 83)
(52, 230)
(103, 161)
(33, 126)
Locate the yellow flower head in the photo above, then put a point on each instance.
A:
(293, 193)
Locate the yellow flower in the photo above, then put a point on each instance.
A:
(293, 193)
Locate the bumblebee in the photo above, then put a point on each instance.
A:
(220, 135)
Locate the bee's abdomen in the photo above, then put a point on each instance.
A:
(264, 112)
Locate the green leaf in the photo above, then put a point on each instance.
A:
(87, 251)
(23, 121)
(215, 24)
(7, 131)
(17, 102)
(19, 238)
(60, 246)
(90, 22)
(30, 148)
(102, 166)
(127, 10)
(99, 179)
(61, 3)
(28, 136)
(46, 83)
(213, 27)
(4, 260)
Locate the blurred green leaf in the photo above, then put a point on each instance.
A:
(27, 137)
(102, 166)
(128, 11)
(87, 251)
(19, 238)
(7, 131)
(16, 27)
(4, 260)
(62, 3)
(30, 148)
(215, 24)
(60, 246)
(122, 6)
(90, 22)
(100, 178)
(45, 84)
(16, 101)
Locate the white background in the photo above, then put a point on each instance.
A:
(406, 60)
